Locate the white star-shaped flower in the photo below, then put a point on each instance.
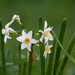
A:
(6, 32)
(47, 50)
(26, 40)
(46, 33)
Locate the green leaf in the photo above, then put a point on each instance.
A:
(61, 36)
(41, 26)
(64, 61)
(70, 57)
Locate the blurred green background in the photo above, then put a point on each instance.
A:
(53, 11)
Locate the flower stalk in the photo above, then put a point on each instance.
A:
(42, 59)
(2, 50)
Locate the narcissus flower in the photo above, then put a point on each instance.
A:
(16, 17)
(6, 32)
(26, 40)
(47, 50)
(46, 33)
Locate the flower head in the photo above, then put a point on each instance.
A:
(6, 32)
(26, 40)
(46, 33)
(47, 50)
(16, 17)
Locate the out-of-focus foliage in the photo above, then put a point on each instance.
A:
(53, 11)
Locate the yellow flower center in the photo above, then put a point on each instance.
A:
(46, 33)
(47, 49)
(27, 40)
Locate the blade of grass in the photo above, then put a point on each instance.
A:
(42, 59)
(51, 62)
(61, 36)
(2, 50)
(70, 57)
(24, 69)
(64, 61)
(19, 58)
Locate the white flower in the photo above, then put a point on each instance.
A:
(6, 32)
(26, 40)
(46, 33)
(47, 50)
(16, 17)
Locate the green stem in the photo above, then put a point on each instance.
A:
(51, 62)
(42, 59)
(29, 66)
(61, 36)
(2, 50)
(19, 58)
(64, 61)
(24, 69)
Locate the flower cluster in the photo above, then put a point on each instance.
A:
(47, 36)
(26, 38)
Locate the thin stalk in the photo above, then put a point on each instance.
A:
(24, 69)
(19, 58)
(2, 50)
(61, 36)
(29, 63)
(70, 57)
(65, 59)
(51, 62)
(42, 59)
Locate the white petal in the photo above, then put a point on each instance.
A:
(29, 35)
(23, 45)
(49, 52)
(5, 39)
(50, 37)
(46, 39)
(11, 29)
(29, 47)
(15, 16)
(45, 25)
(8, 24)
(50, 46)
(20, 38)
(49, 29)
(8, 36)
(45, 54)
(41, 31)
(24, 34)
(33, 41)
(41, 39)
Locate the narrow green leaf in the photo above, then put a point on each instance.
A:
(2, 50)
(19, 49)
(24, 69)
(64, 61)
(61, 36)
(42, 59)
(70, 57)
(51, 62)
(29, 64)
